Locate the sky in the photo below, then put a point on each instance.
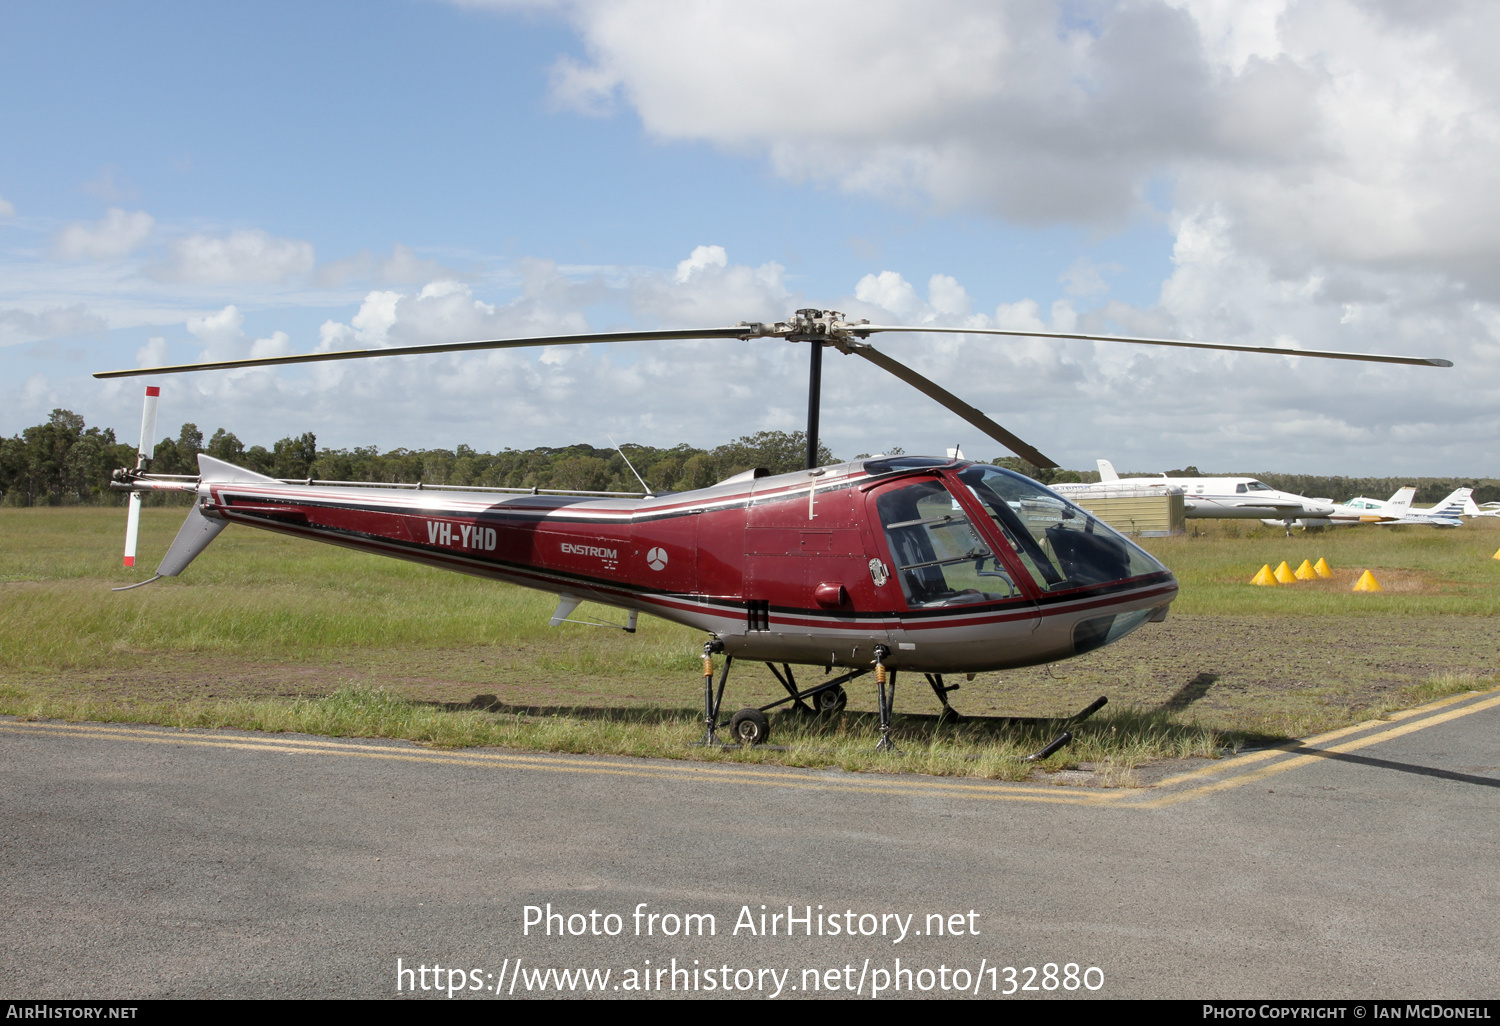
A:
(182, 181)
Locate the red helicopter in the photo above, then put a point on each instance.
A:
(936, 566)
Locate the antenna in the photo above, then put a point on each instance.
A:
(638, 477)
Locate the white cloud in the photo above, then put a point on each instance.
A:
(402, 267)
(1325, 167)
(1086, 278)
(219, 332)
(1145, 408)
(702, 258)
(7, 209)
(243, 255)
(117, 234)
(154, 353)
(1327, 130)
(706, 289)
(223, 337)
(18, 325)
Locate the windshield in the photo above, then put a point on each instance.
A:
(1060, 545)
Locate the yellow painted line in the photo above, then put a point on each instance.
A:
(1305, 760)
(979, 792)
(1237, 762)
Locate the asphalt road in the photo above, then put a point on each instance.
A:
(138, 862)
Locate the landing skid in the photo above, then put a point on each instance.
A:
(1044, 721)
(951, 715)
(750, 726)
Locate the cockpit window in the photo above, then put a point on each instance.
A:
(1239, 489)
(1061, 545)
(941, 558)
(1256, 486)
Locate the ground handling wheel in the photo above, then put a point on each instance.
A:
(750, 727)
(830, 702)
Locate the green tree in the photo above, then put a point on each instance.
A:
(780, 452)
(225, 446)
(293, 457)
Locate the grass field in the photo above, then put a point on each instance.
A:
(274, 633)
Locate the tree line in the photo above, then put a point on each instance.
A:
(65, 463)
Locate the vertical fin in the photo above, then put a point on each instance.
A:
(1400, 503)
(565, 606)
(192, 538)
(1107, 471)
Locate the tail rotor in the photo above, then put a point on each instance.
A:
(142, 455)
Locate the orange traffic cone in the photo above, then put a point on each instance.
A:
(1322, 569)
(1367, 582)
(1265, 577)
(1284, 574)
(1305, 572)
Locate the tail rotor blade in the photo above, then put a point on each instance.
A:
(132, 528)
(954, 404)
(142, 454)
(148, 426)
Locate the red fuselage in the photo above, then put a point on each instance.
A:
(812, 567)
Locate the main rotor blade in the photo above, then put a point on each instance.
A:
(933, 390)
(1416, 361)
(442, 347)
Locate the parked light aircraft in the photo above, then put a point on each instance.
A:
(884, 564)
(1237, 498)
(1446, 513)
(1395, 510)
(1489, 509)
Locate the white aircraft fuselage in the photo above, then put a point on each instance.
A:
(1235, 498)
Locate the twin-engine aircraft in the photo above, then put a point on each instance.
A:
(936, 566)
(1397, 510)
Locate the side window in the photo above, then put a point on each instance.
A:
(1239, 489)
(941, 558)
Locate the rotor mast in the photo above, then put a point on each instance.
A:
(818, 328)
(814, 398)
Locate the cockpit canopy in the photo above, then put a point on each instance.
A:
(944, 557)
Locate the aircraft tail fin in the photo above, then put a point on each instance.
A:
(1455, 504)
(1107, 471)
(1400, 503)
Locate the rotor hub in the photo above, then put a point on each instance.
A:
(826, 327)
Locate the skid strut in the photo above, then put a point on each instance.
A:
(711, 701)
(800, 697)
(887, 698)
(788, 682)
(935, 680)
